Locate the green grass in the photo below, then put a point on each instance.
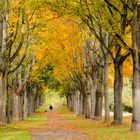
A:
(19, 130)
(99, 130)
(13, 134)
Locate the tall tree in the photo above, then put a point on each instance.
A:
(136, 65)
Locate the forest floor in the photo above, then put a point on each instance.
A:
(64, 125)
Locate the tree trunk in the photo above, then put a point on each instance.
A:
(136, 68)
(17, 113)
(2, 99)
(15, 107)
(80, 104)
(37, 103)
(3, 68)
(32, 104)
(21, 106)
(83, 103)
(105, 88)
(29, 105)
(25, 114)
(1, 24)
(74, 104)
(99, 95)
(118, 84)
(98, 108)
(77, 102)
(69, 102)
(88, 105)
(9, 104)
(73, 107)
(106, 96)
(93, 92)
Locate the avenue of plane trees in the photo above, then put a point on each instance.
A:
(69, 45)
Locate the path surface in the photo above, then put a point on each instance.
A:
(57, 127)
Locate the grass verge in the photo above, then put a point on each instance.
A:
(19, 130)
(99, 130)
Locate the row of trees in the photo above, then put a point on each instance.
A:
(110, 36)
(83, 42)
(21, 77)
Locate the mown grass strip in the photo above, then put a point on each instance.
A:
(19, 130)
(99, 130)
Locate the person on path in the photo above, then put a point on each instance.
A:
(50, 108)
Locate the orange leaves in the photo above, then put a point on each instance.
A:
(111, 76)
(128, 68)
(15, 4)
(63, 41)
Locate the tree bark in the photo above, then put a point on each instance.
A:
(3, 68)
(83, 103)
(15, 107)
(1, 24)
(99, 95)
(93, 92)
(25, 114)
(118, 84)
(29, 105)
(136, 68)
(21, 107)
(77, 102)
(88, 105)
(69, 102)
(106, 96)
(2, 99)
(80, 104)
(105, 85)
(9, 104)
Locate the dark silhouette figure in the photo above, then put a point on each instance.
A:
(50, 108)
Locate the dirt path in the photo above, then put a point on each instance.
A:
(57, 127)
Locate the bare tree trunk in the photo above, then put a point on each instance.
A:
(118, 84)
(9, 104)
(83, 104)
(2, 99)
(18, 97)
(74, 104)
(15, 107)
(29, 105)
(25, 114)
(32, 103)
(99, 95)
(37, 103)
(69, 102)
(21, 107)
(3, 68)
(77, 102)
(106, 96)
(105, 85)
(73, 107)
(88, 105)
(80, 104)
(1, 24)
(136, 67)
(93, 92)
(17, 113)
